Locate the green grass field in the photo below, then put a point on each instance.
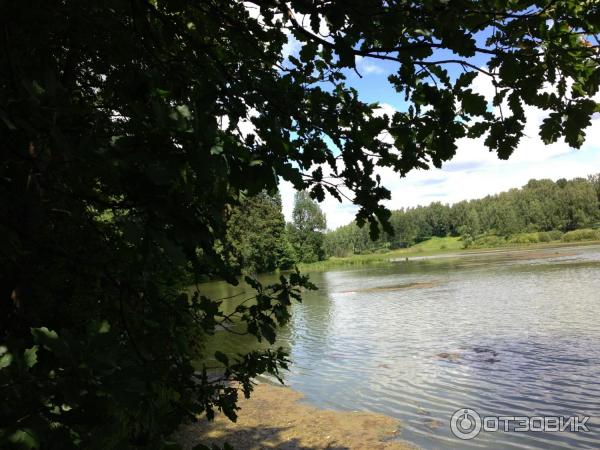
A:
(435, 245)
(449, 244)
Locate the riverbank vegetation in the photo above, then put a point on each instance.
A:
(258, 240)
(454, 246)
(541, 212)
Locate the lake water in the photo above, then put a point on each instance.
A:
(504, 333)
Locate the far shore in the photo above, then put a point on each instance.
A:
(441, 248)
(275, 417)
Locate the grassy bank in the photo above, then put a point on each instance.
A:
(433, 246)
(439, 246)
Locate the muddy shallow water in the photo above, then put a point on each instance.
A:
(504, 334)
(274, 418)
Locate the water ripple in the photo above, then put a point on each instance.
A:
(417, 341)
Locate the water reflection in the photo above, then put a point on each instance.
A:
(417, 340)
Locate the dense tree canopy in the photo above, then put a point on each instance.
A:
(307, 230)
(256, 235)
(540, 206)
(124, 138)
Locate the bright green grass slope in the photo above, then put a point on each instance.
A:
(431, 246)
(437, 245)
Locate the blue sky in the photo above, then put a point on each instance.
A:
(474, 172)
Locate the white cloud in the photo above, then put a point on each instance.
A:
(337, 213)
(367, 66)
(291, 47)
(287, 191)
(473, 173)
(476, 172)
(244, 126)
(385, 108)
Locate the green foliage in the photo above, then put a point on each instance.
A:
(436, 244)
(470, 225)
(549, 236)
(524, 238)
(539, 212)
(256, 235)
(467, 241)
(306, 233)
(581, 235)
(123, 145)
(595, 181)
(488, 241)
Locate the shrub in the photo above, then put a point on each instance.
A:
(549, 236)
(581, 235)
(524, 238)
(467, 241)
(489, 241)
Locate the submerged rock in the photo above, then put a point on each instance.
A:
(454, 356)
(482, 354)
(397, 287)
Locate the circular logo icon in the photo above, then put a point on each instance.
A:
(465, 423)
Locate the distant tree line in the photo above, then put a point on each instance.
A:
(259, 240)
(539, 206)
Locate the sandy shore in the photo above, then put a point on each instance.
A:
(274, 418)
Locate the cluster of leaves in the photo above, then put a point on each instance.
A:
(122, 147)
(306, 233)
(540, 206)
(116, 176)
(542, 54)
(256, 236)
(128, 381)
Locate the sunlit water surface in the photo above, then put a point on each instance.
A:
(504, 334)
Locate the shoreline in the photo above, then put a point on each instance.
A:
(402, 254)
(276, 417)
